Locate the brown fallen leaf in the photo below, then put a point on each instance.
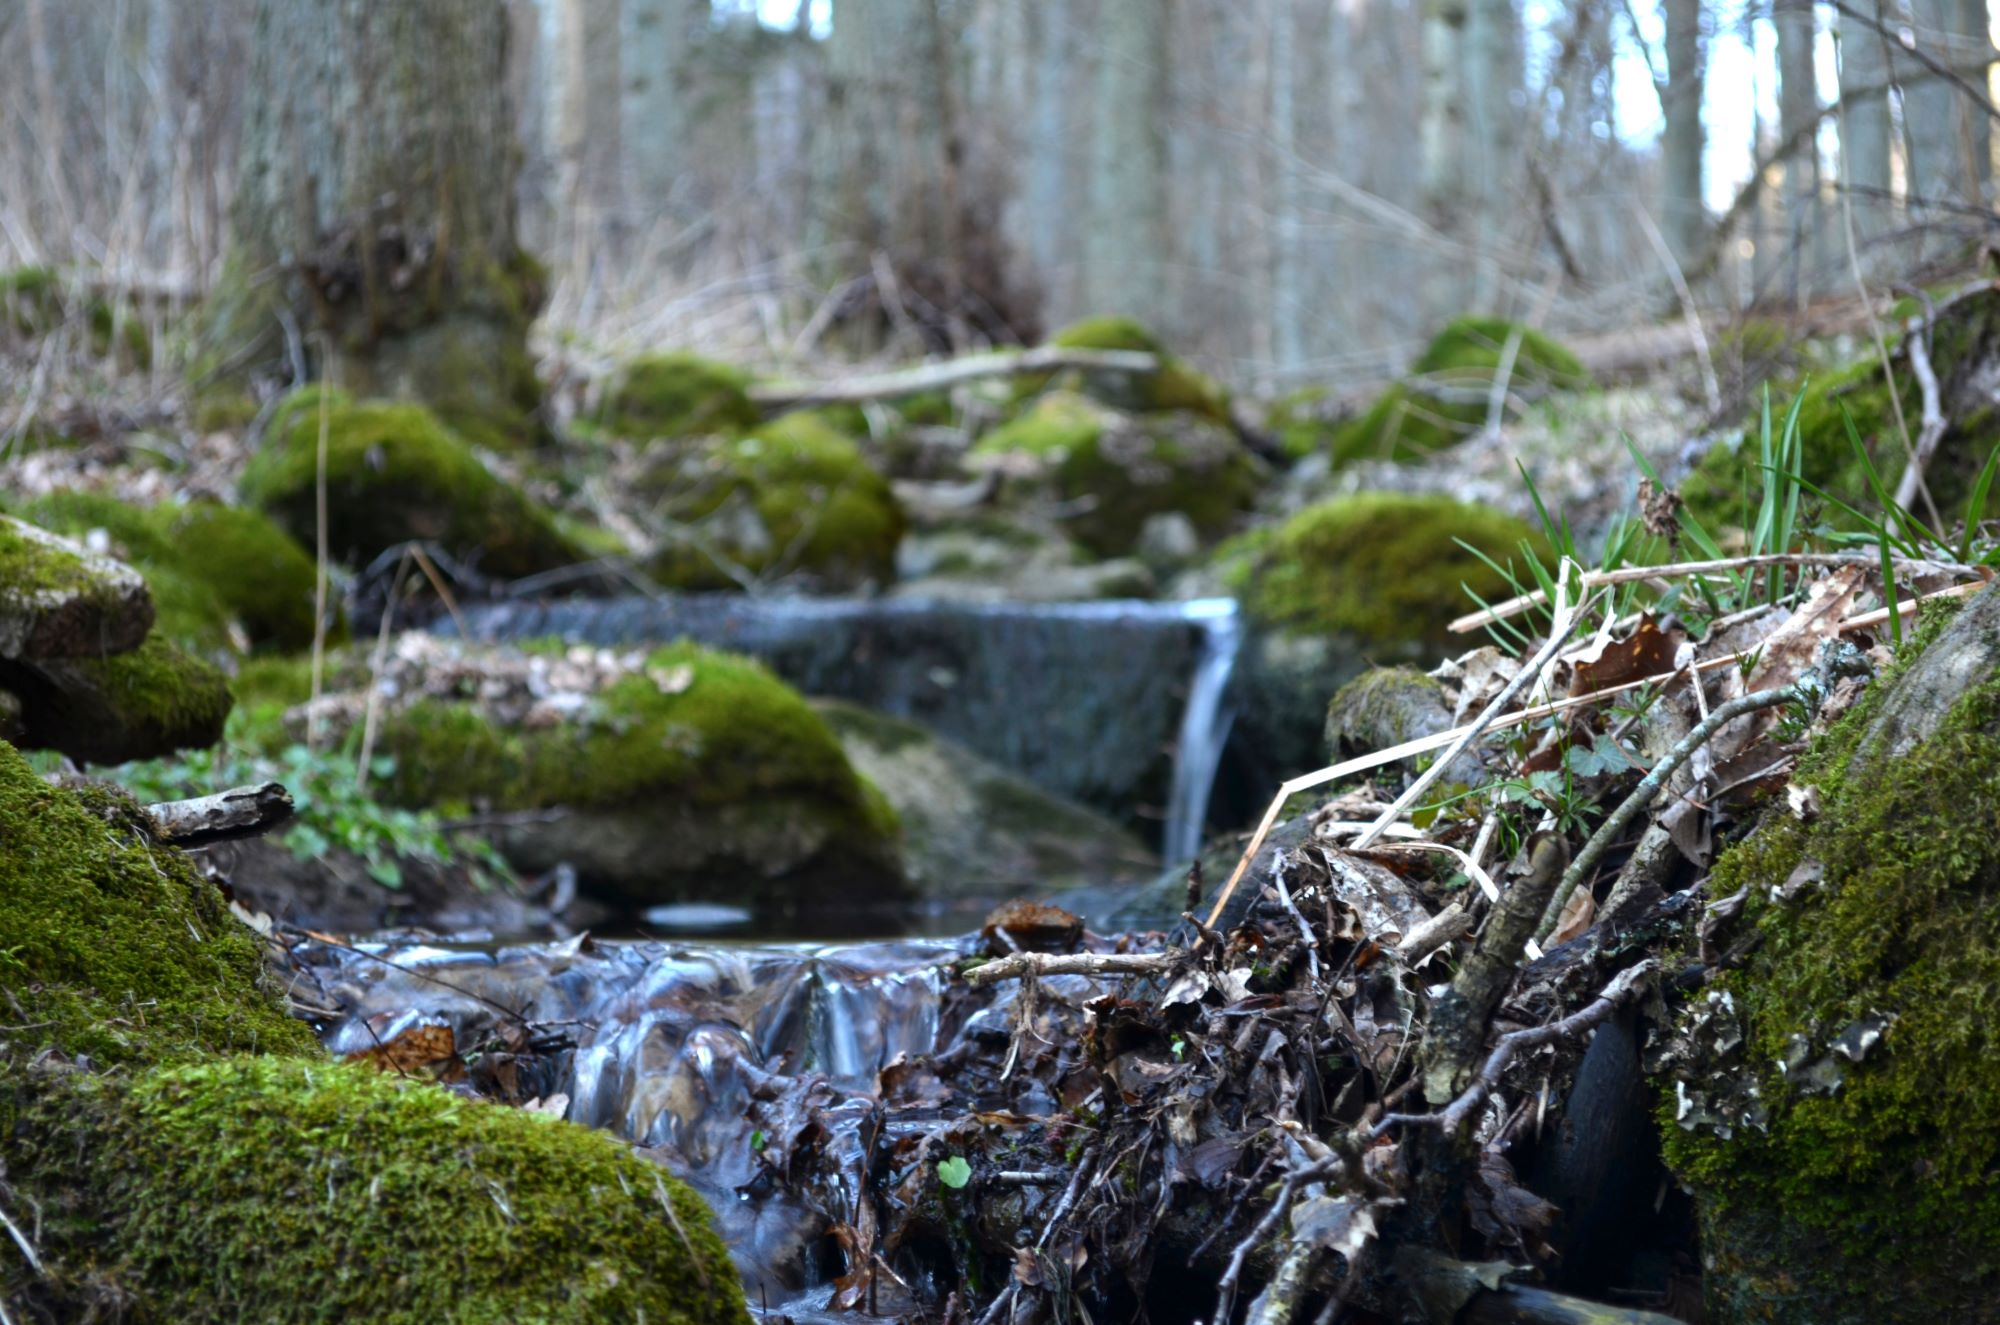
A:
(416, 1049)
(1578, 914)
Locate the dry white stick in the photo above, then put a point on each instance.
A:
(937, 376)
(1931, 430)
(1018, 964)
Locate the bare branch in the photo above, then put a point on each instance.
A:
(222, 817)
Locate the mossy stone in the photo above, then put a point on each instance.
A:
(1859, 1186)
(189, 1153)
(679, 395)
(208, 566)
(1112, 472)
(35, 302)
(1445, 398)
(1383, 567)
(59, 601)
(395, 474)
(143, 704)
(793, 499)
(1175, 386)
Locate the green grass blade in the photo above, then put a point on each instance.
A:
(1889, 598)
(1975, 505)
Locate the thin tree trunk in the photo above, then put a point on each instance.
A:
(374, 208)
(1288, 267)
(1126, 248)
(588, 86)
(1684, 141)
(1865, 129)
(659, 38)
(1798, 109)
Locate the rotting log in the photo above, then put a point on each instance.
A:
(223, 817)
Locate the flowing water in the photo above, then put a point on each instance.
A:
(1117, 704)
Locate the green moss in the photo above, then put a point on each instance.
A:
(113, 947)
(152, 701)
(35, 302)
(1175, 386)
(792, 498)
(679, 395)
(1114, 473)
(1445, 398)
(30, 300)
(224, 410)
(1881, 1191)
(395, 473)
(1302, 421)
(33, 569)
(208, 565)
(1382, 566)
(1379, 703)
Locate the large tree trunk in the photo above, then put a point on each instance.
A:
(1126, 248)
(1682, 146)
(1948, 134)
(374, 209)
(587, 115)
(1864, 126)
(660, 37)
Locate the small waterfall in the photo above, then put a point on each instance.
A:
(1205, 726)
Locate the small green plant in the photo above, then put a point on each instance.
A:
(335, 809)
(954, 1172)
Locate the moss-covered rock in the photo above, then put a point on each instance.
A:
(395, 473)
(678, 395)
(224, 1169)
(697, 775)
(1445, 399)
(59, 601)
(143, 704)
(35, 302)
(1838, 1110)
(1112, 472)
(793, 499)
(209, 566)
(1383, 567)
(1373, 577)
(1175, 386)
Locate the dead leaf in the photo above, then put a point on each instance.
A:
(1339, 1224)
(1578, 914)
(1648, 651)
(414, 1050)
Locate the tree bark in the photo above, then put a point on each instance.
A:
(1798, 110)
(589, 87)
(1126, 246)
(660, 37)
(374, 209)
(1865, 128)
(1682, 146)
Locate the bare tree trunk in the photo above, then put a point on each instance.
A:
(588, 86)
(1798, 110)
(1444, 128)
(1288, 267)
(1972, 50)
(1937, 174)
(660, 38)
(1683, 143)
(1126, 249)
(374, 208)
(1864, 126)
(1493, 80)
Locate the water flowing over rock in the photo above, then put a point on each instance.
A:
(1088, 700)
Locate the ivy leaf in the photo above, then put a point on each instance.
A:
(954, 1172)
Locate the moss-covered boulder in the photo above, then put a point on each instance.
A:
(58, 600)
(1175, 386)
(36, 302)
(683, 774)
(1376, 576)
(678, 395)
(214, 570)
(394, 473)
(792, 500)
(1387, 706)
(1834, 1096)
(1724, 488)
(1107, 473)
(80, 666)
(189, 1154)
(1447, 395)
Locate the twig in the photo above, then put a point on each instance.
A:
(1529, 672)
(1649, 786)
(1710, 385)
(1225, 1288)
(226, 815)
(321, 556)
(1020, 964)
(1453, 1115)
(1929, 431)
(21, 1241)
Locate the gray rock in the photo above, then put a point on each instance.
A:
(59, 600)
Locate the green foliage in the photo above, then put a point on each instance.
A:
(1115, 472)
(1445, 398)
(113, 947)
(207, 565)
(1386, 567)
(954, 1172)
(794, 497)
(679, 395)
(1883, 1187)
(395, 473)
(335, 807)
(34, 302)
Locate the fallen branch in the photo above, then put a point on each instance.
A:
(1225, 1288)
(1454, 1115)
(951, 372)
(1930, 431)
(223, 817)
(1019, 964)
